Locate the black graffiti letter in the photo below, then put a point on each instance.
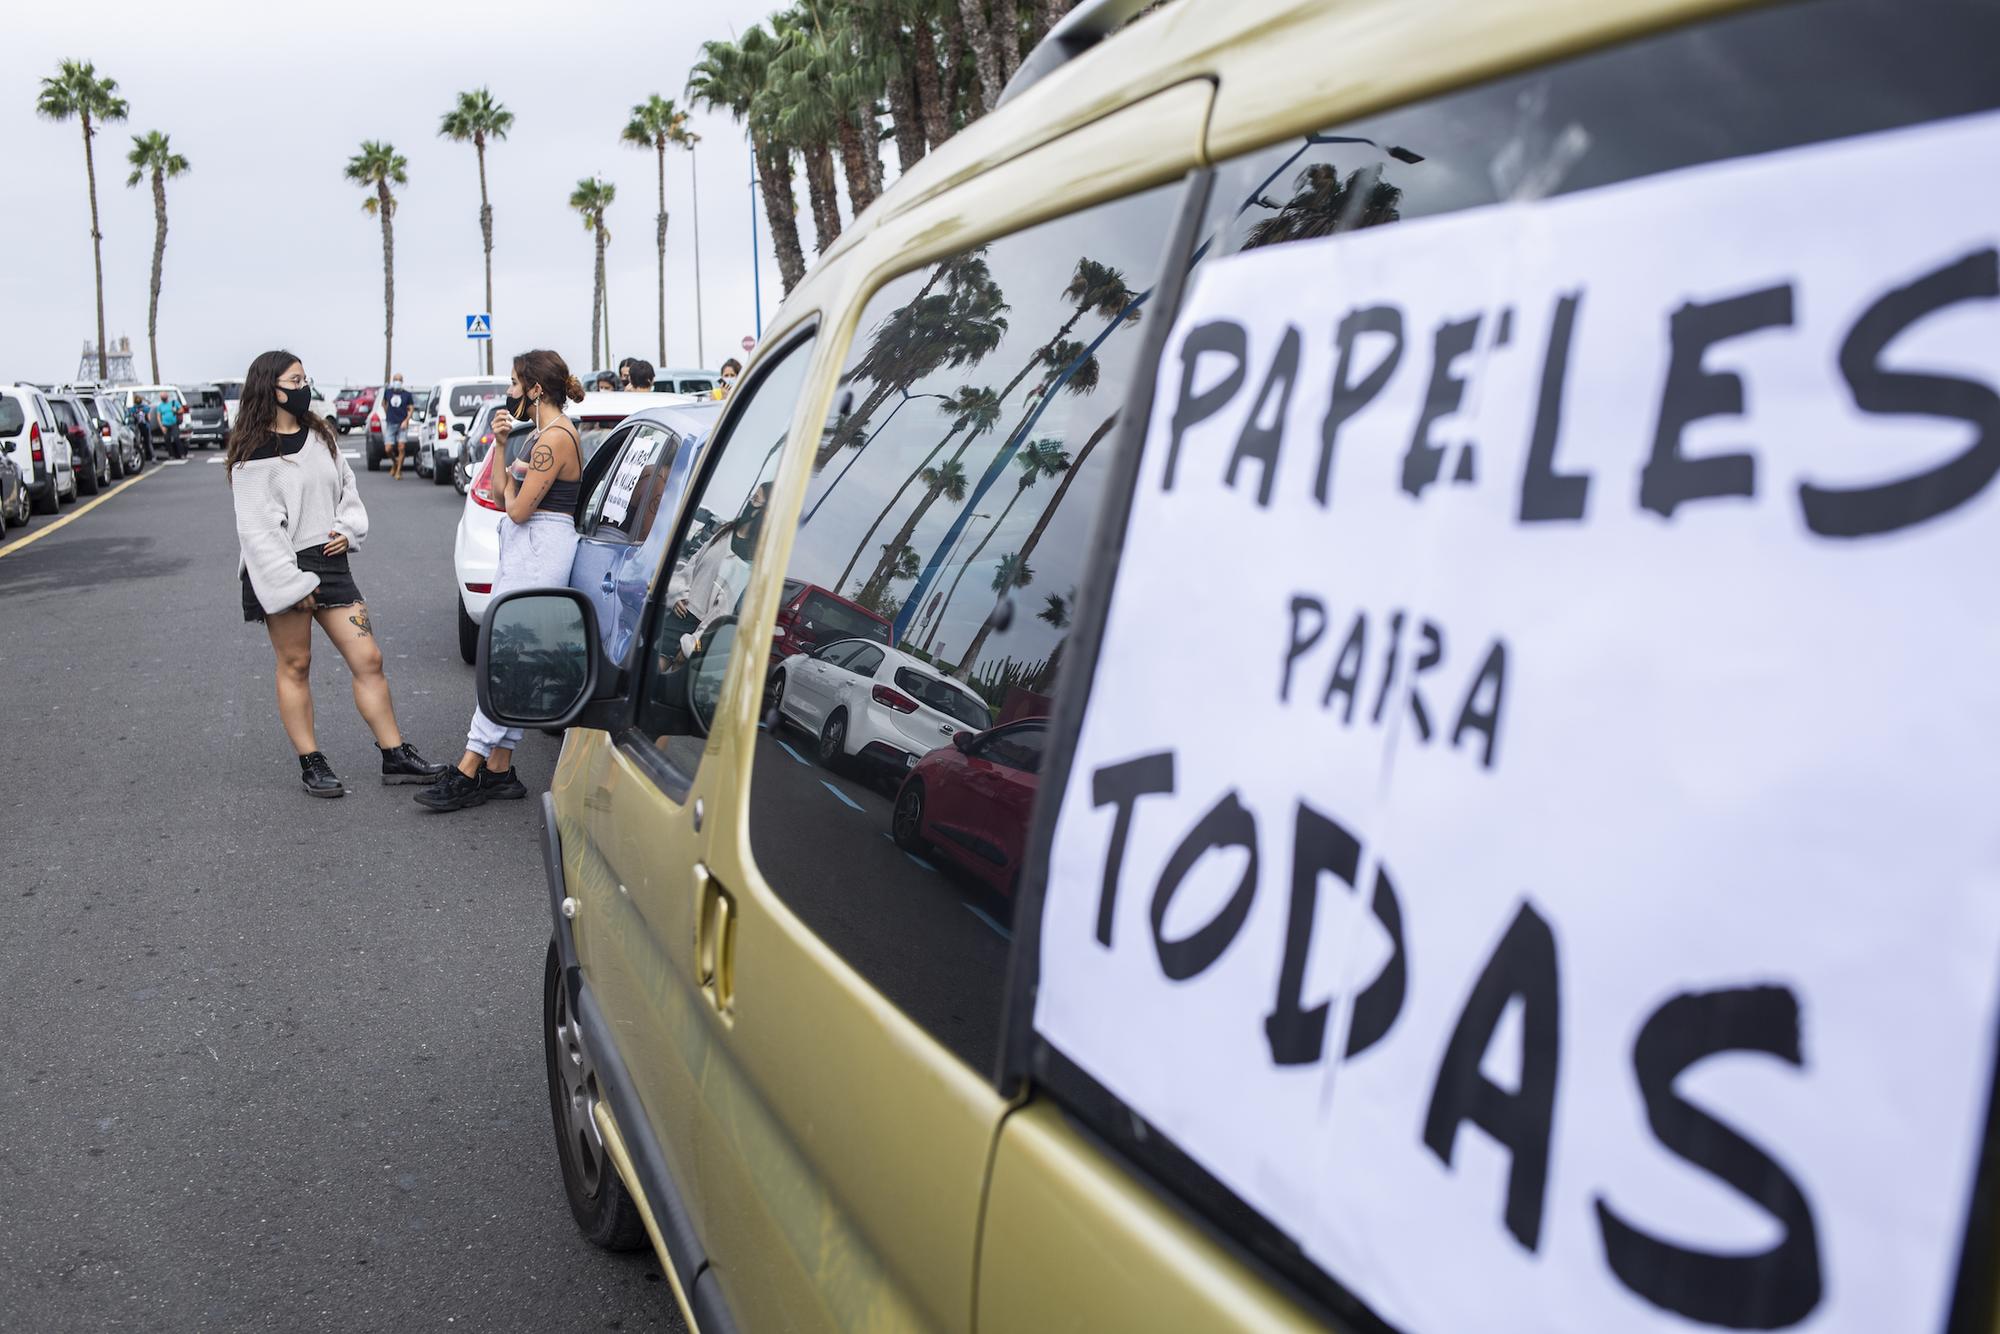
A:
(1260, 443)
(1346, 678)
(1484, 718)
(1297, 1036)
(1122, 785)
(1545, 493)
(1768, 1290)
(1869, 510)
(1227, 824)
(1670, 478)
(1423, 459)
(1299, 646)
(1524, 965)
(1349, 398)
(1224, 336)
(1376, 1008)
(1428, 657)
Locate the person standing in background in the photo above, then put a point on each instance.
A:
(730, 370)
(395, 411)
(169, 415)
(636, 375)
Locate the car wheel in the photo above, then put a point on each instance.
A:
(598, 1200)
(37, 505)
(115, 462)
(906, 824)
(833, 738)
(439, 477)
(86, 481)
(374, 458)
(774, 699)
(468, 634)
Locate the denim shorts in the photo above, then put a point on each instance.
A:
(336, 583)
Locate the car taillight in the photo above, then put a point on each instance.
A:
(479, 588)
(374, 421)
(443, 432)
(895, 699)
(482, 486)
(35, 440)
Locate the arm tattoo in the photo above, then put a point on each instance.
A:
(359, 620)
(543, 459)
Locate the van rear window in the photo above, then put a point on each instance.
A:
(467, 399)
(12, 419)
(837, 620)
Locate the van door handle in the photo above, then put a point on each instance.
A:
(715, 941)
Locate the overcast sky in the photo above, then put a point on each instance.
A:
(268, 245)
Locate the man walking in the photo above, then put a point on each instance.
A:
(395, 411)
(141, 418)
(170, 426)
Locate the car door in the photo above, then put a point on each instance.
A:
(599, 543)
(848, 681)
(811, 677)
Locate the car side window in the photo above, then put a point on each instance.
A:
(952, 503)
(710, 563)
(836, 655)
(865, 662)
(622, 498)
(1017, 748)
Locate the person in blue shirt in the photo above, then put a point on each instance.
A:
(170, 426)
(395, 411)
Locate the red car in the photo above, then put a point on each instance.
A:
(813, 616)
(969, 802)
(351, 408)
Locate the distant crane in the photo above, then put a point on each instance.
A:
(119, 354)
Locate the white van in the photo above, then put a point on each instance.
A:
(454, 404)
(29, 437)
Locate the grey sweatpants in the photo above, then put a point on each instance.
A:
(535, 554)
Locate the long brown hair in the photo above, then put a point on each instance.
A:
(550, 373)
(257, 410)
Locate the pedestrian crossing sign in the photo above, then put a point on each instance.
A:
(479, 326)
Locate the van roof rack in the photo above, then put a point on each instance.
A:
(1076, 32)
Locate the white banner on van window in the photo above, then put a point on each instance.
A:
(1535, 837)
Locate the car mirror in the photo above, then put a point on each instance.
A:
(963, 740)
(705, 671)
(538, 657)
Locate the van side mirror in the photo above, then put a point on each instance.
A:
(539, 657)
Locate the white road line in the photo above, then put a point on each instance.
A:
(77, 513)
(173, 463)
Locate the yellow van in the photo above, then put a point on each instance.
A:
(1336, 672)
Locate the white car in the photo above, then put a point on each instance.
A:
(232, 393)
(475, 551)
(448, 417)
(868, 702)
(29, 437)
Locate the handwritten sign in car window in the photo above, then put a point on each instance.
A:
(1542, 854)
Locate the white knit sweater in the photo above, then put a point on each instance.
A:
(285, 504)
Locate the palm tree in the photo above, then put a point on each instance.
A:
(151, 154)
(76, 91)
(1048, 514)
(976, 410)
(657, 122)
(946, 480)
(378, 166)
(985, 49)
(803, 108)
(479, 119)
(1322, 204)
(1012, 572)
(730, 77)
(1037, 459)
(591, 198)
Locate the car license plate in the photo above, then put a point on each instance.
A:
(909, 761)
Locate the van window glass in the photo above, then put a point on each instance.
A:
(710, 563)
(830, 619)
(12, 420)
(955, 497)
(467, 399)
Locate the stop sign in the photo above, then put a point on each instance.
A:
(748, 342)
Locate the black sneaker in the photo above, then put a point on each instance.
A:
(503, 786)
(453, 792)
(402, 764)
(318, 777)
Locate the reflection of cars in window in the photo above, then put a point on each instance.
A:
(868, 702)
(970, 801)
(812, 616)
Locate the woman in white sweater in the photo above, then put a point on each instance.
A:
(297, 516)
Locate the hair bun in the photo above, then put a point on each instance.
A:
(574, 389)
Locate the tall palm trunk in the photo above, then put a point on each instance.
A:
(1006, 29)
(985, 53)
(781, 211)
(597, 301)
(1027, 548)
(972, 560)
(96, 248)
(878, 582)
(660, 145)
(883, 514)
(932, 111)
(486, 237)
(903, 104)
(824, 193)
(386, 206)
(954, 68)
(854, 165)
(159, 262)
(694, 202)
(606, 280)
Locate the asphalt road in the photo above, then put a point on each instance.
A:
(273, 1063)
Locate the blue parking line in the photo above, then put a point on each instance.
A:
(913, 856)
(789, 751)
(1002, 931)
(851, 802)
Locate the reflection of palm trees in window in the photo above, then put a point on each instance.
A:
(1037, 459)
(976, 410)
(908, 565)
(929, 332)
(1322, 204)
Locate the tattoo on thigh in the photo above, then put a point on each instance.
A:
(359, 620)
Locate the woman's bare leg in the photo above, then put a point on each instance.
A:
(351, 633)
(291, 640)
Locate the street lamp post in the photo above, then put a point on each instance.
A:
(694, 196)
(936, 614)
(855, 457)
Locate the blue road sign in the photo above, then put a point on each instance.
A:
(479, 326)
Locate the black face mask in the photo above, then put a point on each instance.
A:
(298, 401)
(517, 408)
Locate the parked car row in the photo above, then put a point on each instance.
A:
(61, 442)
